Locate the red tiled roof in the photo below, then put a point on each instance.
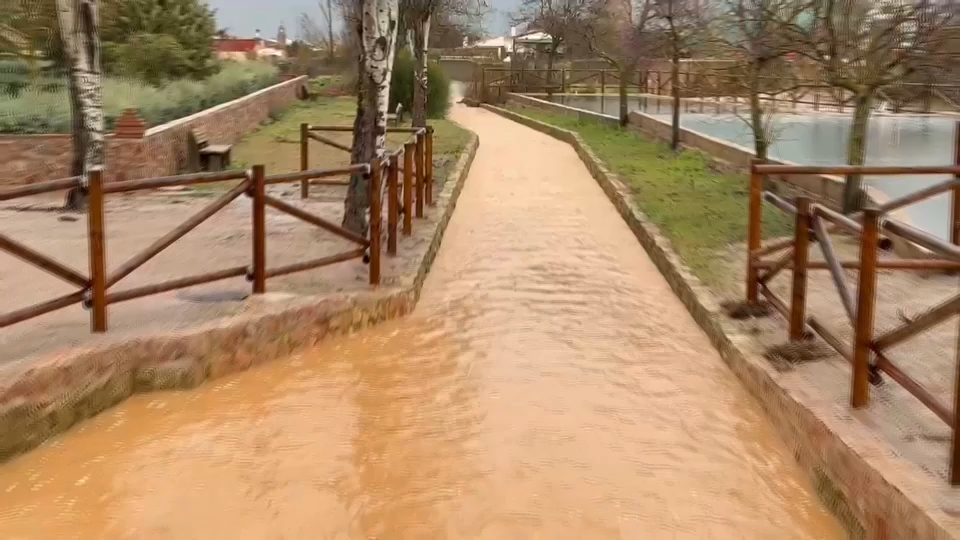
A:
(236, 45)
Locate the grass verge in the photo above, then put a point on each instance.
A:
(276, 145)
(702, 211)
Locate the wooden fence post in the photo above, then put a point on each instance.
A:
(955, 192)
(955, 444)
(98, 262)
(866, 298)
(375, 218)
(392, 204)
(420, 180)
(801, 254)
(259, 191)
(408, 151)
(428, 165)
(754, 230)
(955, 238)
(304, 158)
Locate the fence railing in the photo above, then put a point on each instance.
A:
(95, 290)
(873, 226)
(715, 84)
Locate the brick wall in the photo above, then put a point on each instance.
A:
(161, 151)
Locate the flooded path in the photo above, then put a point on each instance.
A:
(548, 386)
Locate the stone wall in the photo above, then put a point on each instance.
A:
(159, 151)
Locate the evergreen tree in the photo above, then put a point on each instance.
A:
(183, 30)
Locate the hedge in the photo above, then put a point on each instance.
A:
(35, 111)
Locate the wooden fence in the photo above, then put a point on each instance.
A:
(814, 222)
(714, 84)
(93, 290)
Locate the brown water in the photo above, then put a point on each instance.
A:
(548, 386)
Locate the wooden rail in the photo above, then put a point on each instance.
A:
(814, 223)
(95, 290)
(700, 86)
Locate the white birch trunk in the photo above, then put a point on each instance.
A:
(378, 29)
(79, 30)
(379, 46)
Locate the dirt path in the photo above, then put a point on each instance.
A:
(548, 385)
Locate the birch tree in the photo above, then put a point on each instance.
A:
(417, 17)
(375, 22)
(862, 46)
(79, 32)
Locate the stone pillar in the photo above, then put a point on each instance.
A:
(126, 145)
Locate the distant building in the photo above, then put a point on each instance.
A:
(240, 49)
(237, 49)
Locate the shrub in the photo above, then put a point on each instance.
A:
(152, 58)
(401, 86)
(35, 111)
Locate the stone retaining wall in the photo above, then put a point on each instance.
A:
(41, 398)
(160, 151)
(877, 494)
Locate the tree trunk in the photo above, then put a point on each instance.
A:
(675, 90)
(761, 140)
(79, 31)
(331, 38)
(551, 57)
(853, 195)
(421, 36)
(624, 104)
(378, 31)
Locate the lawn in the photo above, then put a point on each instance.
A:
(700, 210)
(277, 144)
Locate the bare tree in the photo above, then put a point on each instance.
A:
(862, 46)
(315, 33)
(375, 23)
(682, 24)
(79, 30)
(621, 36)
(560, 19)
(751, 31)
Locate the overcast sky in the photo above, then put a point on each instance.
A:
(243, 17)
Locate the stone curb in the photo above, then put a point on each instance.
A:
(45, 397)
(875, 493)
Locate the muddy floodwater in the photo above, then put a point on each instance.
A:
(548, 386)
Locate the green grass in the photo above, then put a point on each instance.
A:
(700, 210)
(277, 145)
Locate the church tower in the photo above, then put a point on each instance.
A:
(282, 36)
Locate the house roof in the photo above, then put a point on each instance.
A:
(236, 45)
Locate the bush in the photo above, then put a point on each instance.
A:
(152, 58)
(401, 86)
(35, 111)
